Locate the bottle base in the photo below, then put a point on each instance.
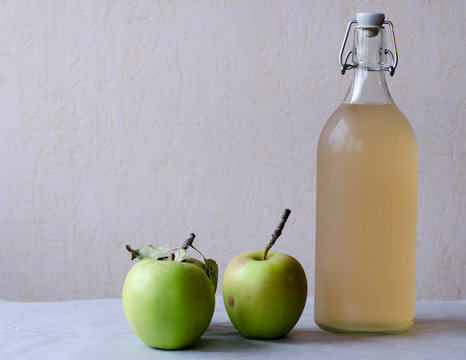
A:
(364, 332)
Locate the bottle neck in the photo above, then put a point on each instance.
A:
(369, 57)
(368, 87)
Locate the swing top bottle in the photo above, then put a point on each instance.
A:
(366, 197)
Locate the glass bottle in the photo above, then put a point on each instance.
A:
(366, 208)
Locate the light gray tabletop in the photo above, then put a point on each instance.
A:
(97, 329)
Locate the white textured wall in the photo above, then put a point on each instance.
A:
(142, 121)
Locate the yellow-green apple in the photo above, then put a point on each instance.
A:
(169, 300)
(265, 292)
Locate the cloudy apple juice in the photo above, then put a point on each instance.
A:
(366, 220)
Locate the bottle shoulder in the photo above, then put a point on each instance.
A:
(358, 124)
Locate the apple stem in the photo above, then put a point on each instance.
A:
(276, 234)
(188, 242)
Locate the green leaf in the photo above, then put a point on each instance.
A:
(212, 271)
(148, 252)
(180, 254)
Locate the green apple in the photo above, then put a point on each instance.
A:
(264, 292)
(169, 300)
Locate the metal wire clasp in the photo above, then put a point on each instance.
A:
(344, 63)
